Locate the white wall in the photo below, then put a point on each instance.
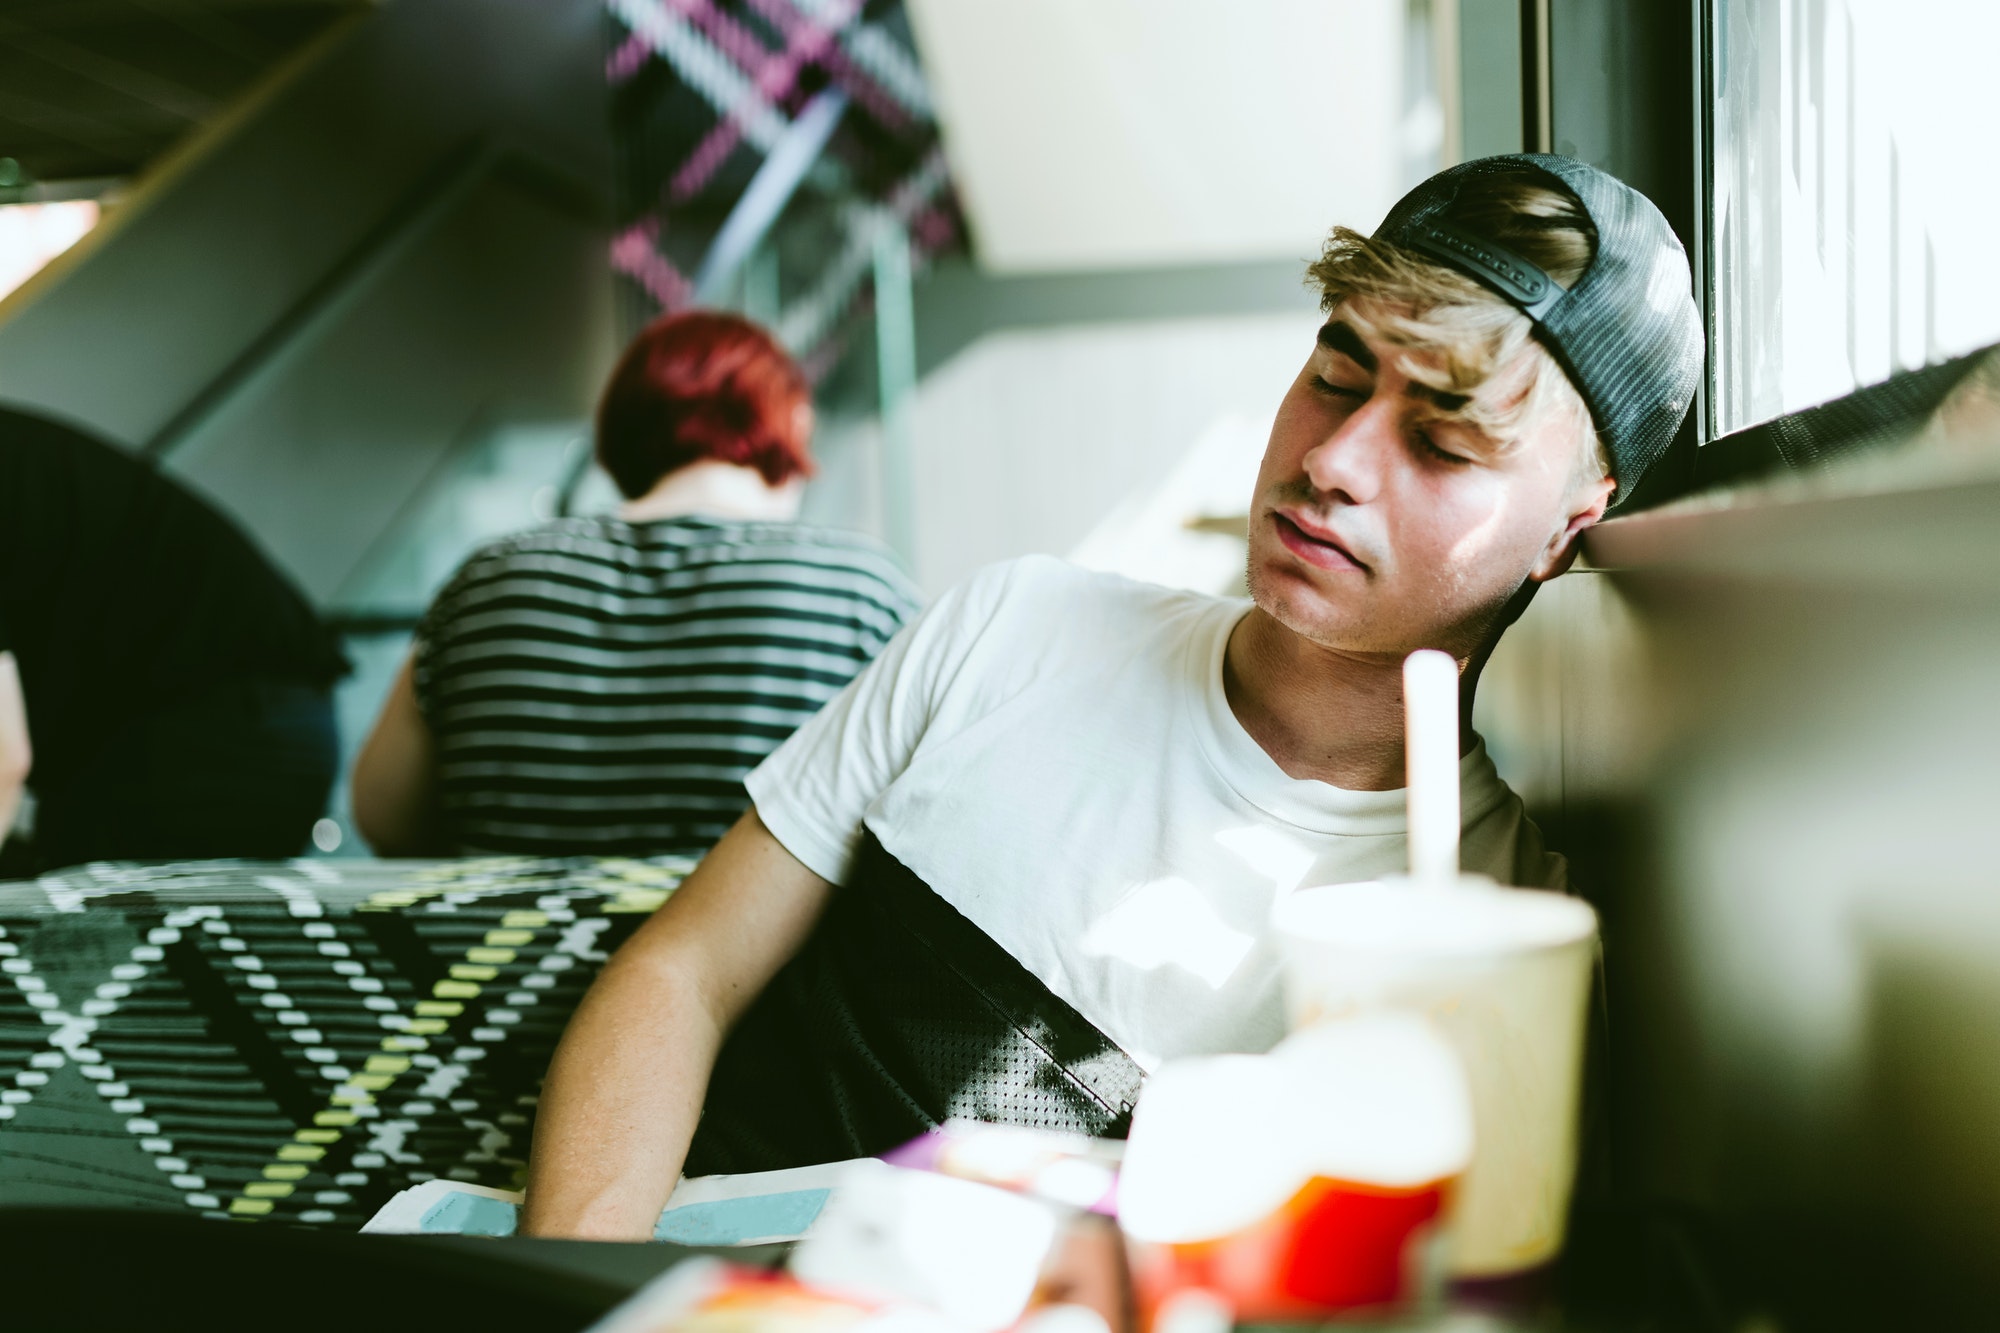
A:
(1028, 441)
(1101, 133)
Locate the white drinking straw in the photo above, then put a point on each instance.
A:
(1430, 746)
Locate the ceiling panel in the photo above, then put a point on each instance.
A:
(1110, 133)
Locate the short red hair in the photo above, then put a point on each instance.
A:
(704, 384)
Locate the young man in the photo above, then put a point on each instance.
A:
(1060, 806)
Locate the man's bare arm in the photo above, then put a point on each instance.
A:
(393, 792)
(16, 755)
(625, 1089)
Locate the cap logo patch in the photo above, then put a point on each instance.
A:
(1498, 267)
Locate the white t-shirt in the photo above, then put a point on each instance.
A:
(1050, 749)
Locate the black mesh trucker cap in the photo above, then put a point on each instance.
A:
(1627, 332)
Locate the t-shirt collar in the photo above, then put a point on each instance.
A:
(1319, 807)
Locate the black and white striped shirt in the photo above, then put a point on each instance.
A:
(597, 686)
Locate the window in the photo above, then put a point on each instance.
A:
(1853, 207)
(33, 234)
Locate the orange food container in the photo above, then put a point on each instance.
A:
(1308, 1181)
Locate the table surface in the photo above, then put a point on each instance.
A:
(296, 1041)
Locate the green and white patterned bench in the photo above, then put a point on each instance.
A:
(291, 1041)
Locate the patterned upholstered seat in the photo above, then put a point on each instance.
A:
(298, 1041)
(291, 1041)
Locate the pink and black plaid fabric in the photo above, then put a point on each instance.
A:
(702, 92)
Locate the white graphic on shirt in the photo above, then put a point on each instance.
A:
(1270, 852)
(1169, 921)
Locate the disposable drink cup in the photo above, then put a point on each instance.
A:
(1305, 1181)
(1505, 974)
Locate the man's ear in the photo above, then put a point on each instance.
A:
(1587, 504)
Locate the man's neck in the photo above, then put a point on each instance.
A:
(1322, 714)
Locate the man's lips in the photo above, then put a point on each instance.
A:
(1314, 545)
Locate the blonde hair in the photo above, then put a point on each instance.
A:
(1467, 337)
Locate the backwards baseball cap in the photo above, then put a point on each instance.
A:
(1627, 332)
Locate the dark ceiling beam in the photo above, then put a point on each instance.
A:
(50, 14)
(117, 76)
(208, 25)
(61, 124)
(92, 88)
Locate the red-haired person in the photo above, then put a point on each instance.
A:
(602, 685)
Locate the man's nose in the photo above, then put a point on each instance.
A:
(1352, 459)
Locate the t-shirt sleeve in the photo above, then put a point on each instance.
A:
(1535, 867)
(1549, 870)
(814, 790)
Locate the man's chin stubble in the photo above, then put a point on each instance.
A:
(1280, 605)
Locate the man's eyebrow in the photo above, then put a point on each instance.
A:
(1438, 398)
(1339, 336)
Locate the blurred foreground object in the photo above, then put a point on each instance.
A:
(1070, 1169)
(969, 1251)
(176, 686)
(710, 1296)
(1505, 974)
(759, 1208)
(1305, 1181)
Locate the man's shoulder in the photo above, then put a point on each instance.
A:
(1038, 609)
(1499, 839)
(1049, 586)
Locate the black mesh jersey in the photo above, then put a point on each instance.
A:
(897, 1015)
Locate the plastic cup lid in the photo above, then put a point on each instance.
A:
(1470, 916)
